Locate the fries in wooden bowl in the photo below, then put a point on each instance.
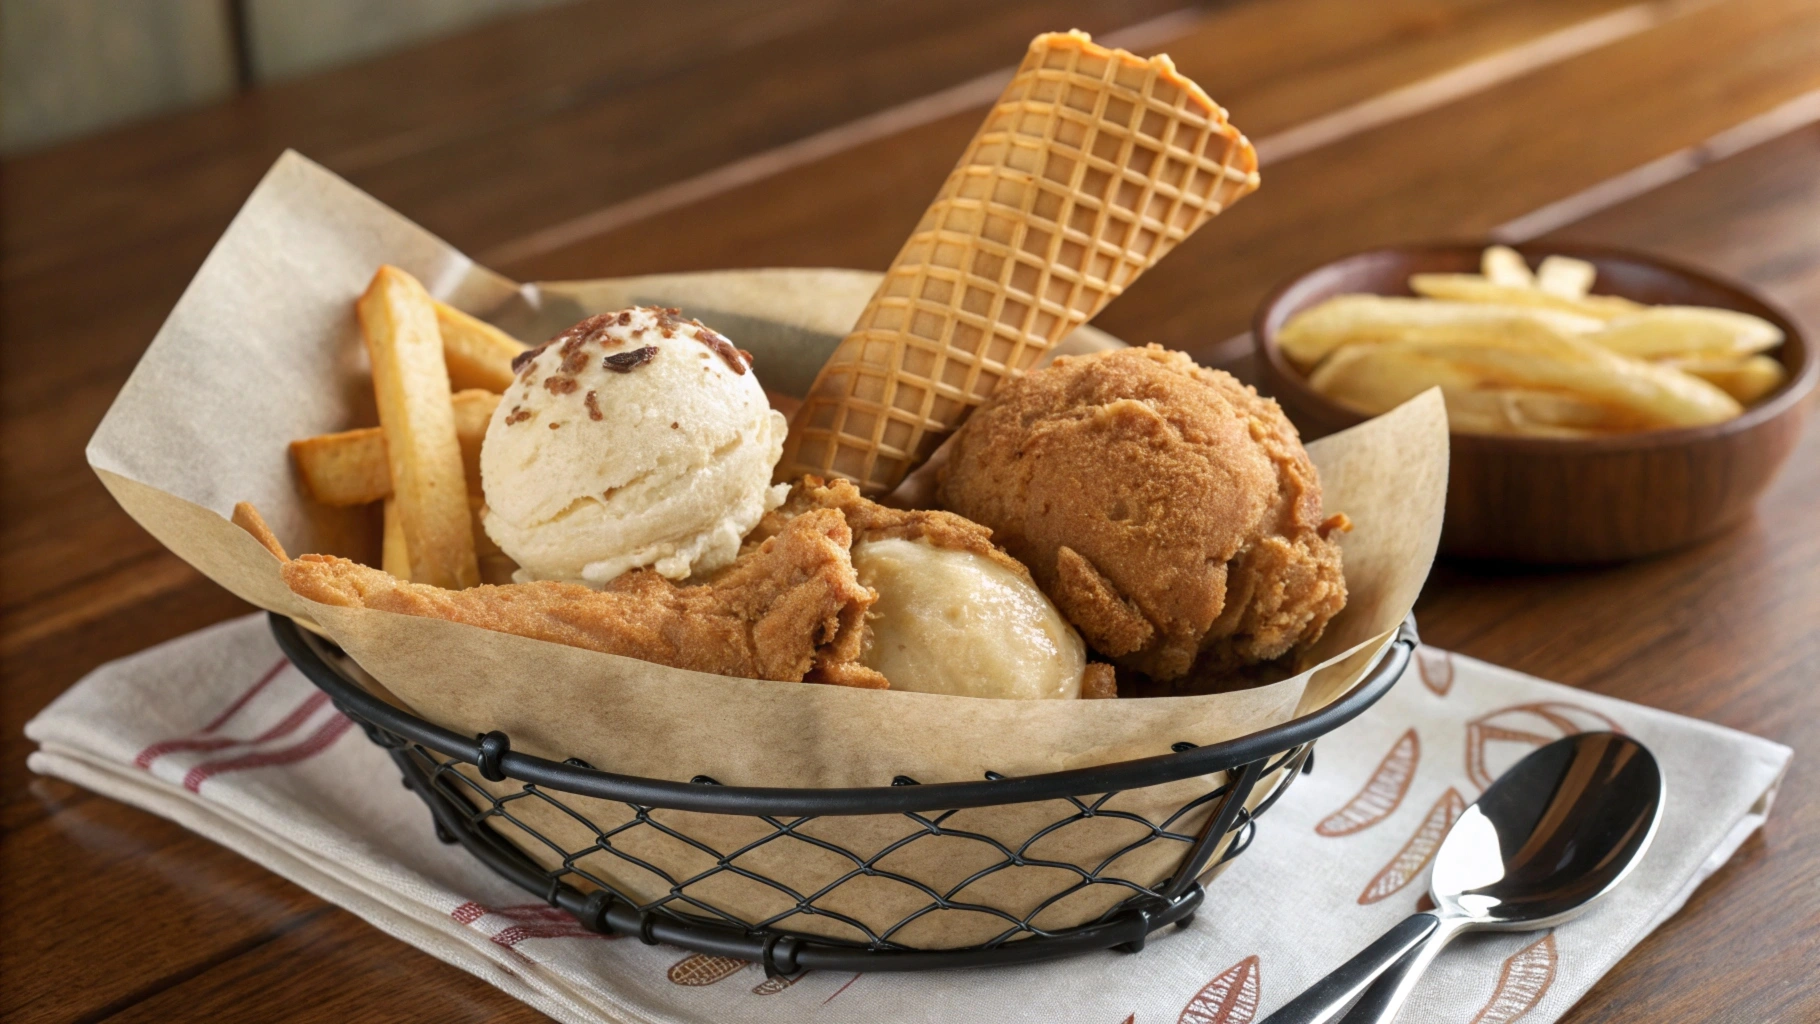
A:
(1535, 353)
(1603, 405)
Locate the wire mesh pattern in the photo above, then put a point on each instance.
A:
(1092, 165)
(613, 857)
(857, 879)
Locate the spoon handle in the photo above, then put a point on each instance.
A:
(1324, 1001)
(1385, 998)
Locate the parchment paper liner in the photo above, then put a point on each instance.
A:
(263, 348)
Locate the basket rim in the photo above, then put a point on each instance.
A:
(493, 755)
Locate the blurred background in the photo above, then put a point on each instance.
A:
(69, 68)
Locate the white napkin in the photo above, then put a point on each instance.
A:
(215, 731)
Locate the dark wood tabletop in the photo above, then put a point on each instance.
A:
(606, 138)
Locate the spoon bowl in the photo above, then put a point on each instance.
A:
(1549, 837)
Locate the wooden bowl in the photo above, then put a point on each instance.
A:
(1571, 500)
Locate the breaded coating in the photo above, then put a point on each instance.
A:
(789, 608)
(872, 521)
(1169, 511)
(1099, 682)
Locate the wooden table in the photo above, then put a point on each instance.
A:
(610, 138)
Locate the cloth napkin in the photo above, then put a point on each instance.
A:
(218, 733)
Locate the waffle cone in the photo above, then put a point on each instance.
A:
(1091, 166)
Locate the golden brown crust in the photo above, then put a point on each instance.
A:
(1141, 488)
(1110, 621)
(848, 673)
(872, 521)
(248, 518)
(789, 607)
(1099, 681)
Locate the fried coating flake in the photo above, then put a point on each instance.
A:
(870, 521)
(790, 608)
(1169, 511)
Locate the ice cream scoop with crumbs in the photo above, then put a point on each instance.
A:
(635, 438)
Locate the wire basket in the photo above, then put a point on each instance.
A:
(854, 879)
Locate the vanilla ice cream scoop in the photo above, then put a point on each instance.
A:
(956, 622)
(634, 438)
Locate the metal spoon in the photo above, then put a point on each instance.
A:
(1549, 837)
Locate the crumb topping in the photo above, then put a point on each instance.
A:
(626, 362)
(611, 331)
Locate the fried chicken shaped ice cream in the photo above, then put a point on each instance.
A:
(635, 438)
(953, 614)
(1169, 511)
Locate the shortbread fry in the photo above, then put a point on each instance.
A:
(416, 414)
(394, 557)
(495, 565)
(478, 354)
(349, 468)
(473, 411)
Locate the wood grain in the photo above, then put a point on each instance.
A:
(154, 902)
(1429, 177)
(349, 978)
(491, 135)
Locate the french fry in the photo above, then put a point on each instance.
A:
(1652, 396)
(1503, 265)
(1746, 379)
(1377, 377)
(473, 411)
(1310, 335)
(1481, 399)
(394, 557)
(495, 565)
(1374, 379)
(1530, 412)
(1473, 288)
(1659, 331)
(416, 414)
(478, 354)
(349, 468)
(1566, 277)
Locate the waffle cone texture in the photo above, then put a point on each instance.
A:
(1092, 165)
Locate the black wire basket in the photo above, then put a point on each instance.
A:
(573, 835)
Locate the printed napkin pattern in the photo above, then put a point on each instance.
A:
(218, 732)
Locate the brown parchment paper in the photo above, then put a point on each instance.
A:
(263, 349)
